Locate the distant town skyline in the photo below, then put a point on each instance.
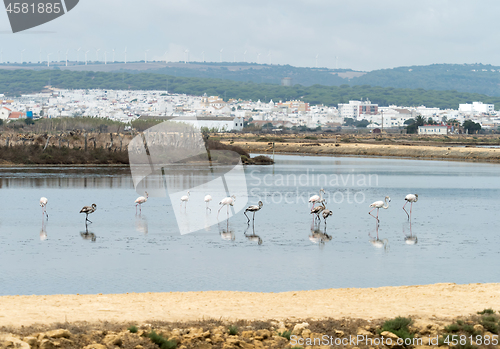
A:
(360, 35)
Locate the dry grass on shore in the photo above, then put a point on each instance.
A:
(35, 154)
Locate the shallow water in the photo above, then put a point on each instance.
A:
(454, 221)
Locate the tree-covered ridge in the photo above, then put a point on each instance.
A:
(474, 78)
(16, 82)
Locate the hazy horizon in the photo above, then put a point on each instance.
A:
(363, 35)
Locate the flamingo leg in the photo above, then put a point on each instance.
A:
(253, 219)
(370, 213)
(411, 207)
(219, 211)
(406, 211)
(245, 213)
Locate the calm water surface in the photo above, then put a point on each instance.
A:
(455, 224)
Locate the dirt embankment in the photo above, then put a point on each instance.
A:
(385, 150)
(232, 320)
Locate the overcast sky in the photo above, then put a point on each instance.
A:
(364, 35)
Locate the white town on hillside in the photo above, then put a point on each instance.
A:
(214, 112)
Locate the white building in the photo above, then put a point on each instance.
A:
(433, 130)
(355, 108)
(4, 113)
(476, 108)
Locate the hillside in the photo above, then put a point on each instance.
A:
(17, 82)
(471, 78)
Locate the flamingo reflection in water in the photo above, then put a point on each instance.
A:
(88, 235)
(252, 237)
(410, 239)
(141, 224)
(318, 237)
(226, 234)
(43, 231)
(377, 242)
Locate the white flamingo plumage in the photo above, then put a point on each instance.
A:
(378, 205)
(208, 198)
(141, 200)
(43, 204)
(185, 199)
(410, 198)
(229, 201)
(317, 198)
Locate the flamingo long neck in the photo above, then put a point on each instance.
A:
(386, 204)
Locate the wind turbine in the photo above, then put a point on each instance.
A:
(258, 60)
(125, 55)
(48, 59)
(67, 57)
(245, 56)
(78, 54)
(166, 52)
(113, 55)
(22, 51)
(146, 56)
(317, 60)
(86, 56)
(58, 55)
(187, 57)
(220, 55)
(97, 54)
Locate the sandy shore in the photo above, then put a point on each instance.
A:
(360, 149)
(426, 302)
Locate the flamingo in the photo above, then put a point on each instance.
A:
(185, 199)
(229, 201)
(88, 210)
(208, 198)
(141, 200)
(326, 213)
(318, 209)
(253, 208)
(378, 205)
(410, 198)
(317, 198)
(43, 204)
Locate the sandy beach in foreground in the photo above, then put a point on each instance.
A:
(427, 302)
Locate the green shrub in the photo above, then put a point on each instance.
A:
(233, 330)
(398, 326)
(486, 311)
(285, 334)
(132, 329)
(161, 341)
(453, 328)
